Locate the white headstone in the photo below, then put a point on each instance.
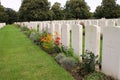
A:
(48, 27)
(65, 35)
(52, 29)
(32, 25)
(43, 26)
(29, 25)
(111, 52)
(87, 23)
(35, 24)
(102, 23)
(40, 27)
(92, 39)
(94, 22)
(2, 25)
(118, 22)
(110, 23)
(58, 29)
(77, 39)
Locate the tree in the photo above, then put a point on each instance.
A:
(12, 15)
(3, 15)
(33, 10)
(50, 15)
(98, 12)
(57, 11)
(108, 9)
(77, 9)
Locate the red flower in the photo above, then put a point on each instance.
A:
(57, 41)
(58, 38)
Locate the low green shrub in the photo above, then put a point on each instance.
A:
(89, 60)
(34, 36)
(27, 33)
(95, 76)
(98, 76)
(48, 47)
(68, 51)
(60, 57)
(24, 28)
(37, 27)
(17, 25)
(69, 63)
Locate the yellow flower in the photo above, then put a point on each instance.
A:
(56, 33)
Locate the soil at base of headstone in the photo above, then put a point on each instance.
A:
(75, 75)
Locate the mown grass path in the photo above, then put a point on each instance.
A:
(20, 59)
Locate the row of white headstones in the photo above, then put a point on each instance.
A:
(2, 25)
(110, 29)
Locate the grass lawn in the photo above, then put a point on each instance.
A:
(20, 59)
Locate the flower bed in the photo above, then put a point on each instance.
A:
(64, 56)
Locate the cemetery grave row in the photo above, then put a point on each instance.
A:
(108, 28)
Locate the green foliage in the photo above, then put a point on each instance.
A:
(44, 34)
(50, 15)
(3, 15)
(58, 49)
(8, 15)
(37, 28)
(17, 25)
(34, 36)
(89, 60)
(98, 76)
(95, 76)
(12, 16)
(57, 11)
(69, 63)
(24, 28)
(28, 33)
(60, 57)
(98, 12)
(34, 10)
(67, 51)
(48, 47)
(77, 9)
(108, 9)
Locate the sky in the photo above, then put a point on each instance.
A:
(15, 4)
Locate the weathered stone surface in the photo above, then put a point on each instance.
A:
(65, 35)
(77, 39)
(118, 22)
(111, 51)
(94, 22)
(92, 39)
(58, 30)
(111, 23)
(87, 23)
